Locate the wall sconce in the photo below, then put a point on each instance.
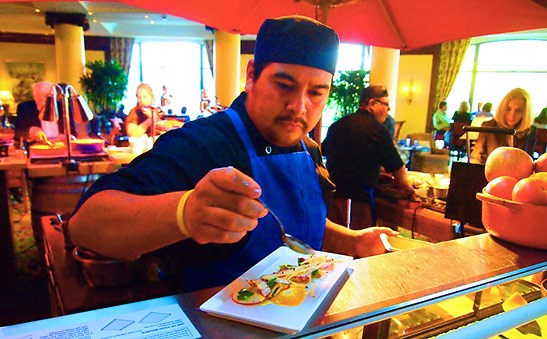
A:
(6, 98)
(409, 91)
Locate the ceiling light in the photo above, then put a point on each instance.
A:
(90, 13)
(94, 21)
(146, 16)
(152, 22)
(37, 10)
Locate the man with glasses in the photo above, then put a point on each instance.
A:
(357, 146)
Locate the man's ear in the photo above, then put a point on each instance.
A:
(249, 75)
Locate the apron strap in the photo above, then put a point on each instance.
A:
(242, 131)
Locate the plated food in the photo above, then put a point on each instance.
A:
(166, 125)
(288, 286)
(55, 149)
(272, 316)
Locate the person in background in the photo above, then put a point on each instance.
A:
(441, 123)
(462, 114)
(389, 124)
(486, 112)
(541, 120)
(356, 147)
(28, 125)
(139, 120)
(482, 116)
(479, 109)
(192, 199)
(166, 98)
(514, 111)
(205, 102)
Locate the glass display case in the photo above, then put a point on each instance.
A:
(512, 305)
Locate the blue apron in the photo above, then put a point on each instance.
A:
(290, 187)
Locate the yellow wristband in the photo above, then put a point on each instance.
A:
(180, 213)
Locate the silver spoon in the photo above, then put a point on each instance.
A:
(291, 242)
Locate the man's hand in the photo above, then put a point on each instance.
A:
(150, 111)
(368, 241)
(223, 207)
(408, 191)
(40, 136)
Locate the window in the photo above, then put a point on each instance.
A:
(178, 65)
(350, 57)
(490, 70)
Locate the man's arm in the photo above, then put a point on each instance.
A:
(121, 225)
(355, 243)
(221, 209)
(401, 180)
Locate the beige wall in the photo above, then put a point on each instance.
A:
(243, 68)
(25, 52)
(418, 68)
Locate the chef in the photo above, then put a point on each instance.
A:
(192, 199)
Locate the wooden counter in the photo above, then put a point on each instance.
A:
(374, 283)
(106, 164)
(416, 218)
(421, 220)
(110, 163)
(69, 290)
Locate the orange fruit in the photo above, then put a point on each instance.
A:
(510, 161)
(541, 163)
(501, 187)
(530, 191)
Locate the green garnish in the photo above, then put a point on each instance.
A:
(300, 260)
(271, 282)
(315, 273)
(284, 266)
(244, 294)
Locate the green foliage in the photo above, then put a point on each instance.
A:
(105, 85)
(346, 90)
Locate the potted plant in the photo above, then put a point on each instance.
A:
(346, 90)
(105, 87)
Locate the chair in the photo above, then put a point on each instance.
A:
(457, 144)
(424, 139)
(541, 144)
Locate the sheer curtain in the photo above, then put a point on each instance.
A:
(209, 48)
(120, 50)
(450, 60)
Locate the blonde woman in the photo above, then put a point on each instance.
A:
(139, 119)
(462, 114)
(514, 111)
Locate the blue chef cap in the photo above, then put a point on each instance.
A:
(297, 40)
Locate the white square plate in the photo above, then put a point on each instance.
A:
(274, 317)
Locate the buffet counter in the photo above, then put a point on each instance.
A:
(46, 173)
(107, 161)
(378, 293)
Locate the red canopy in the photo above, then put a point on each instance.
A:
(403, 24)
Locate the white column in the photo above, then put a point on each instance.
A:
(385, 71)
(70, 54)
(227, 54)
